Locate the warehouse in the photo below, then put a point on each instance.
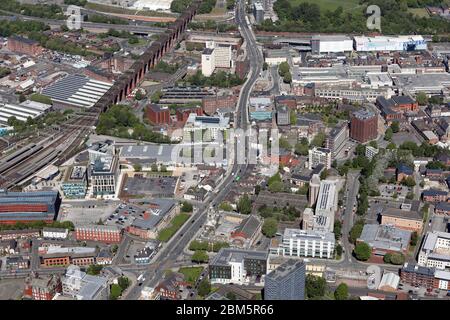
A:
(76, 91)
(327, 44)
(382, 43)
(23, 111)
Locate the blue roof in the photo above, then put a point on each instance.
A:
(402, 168)
(434, 192)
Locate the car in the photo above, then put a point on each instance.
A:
(140, 284)
(193, 220)
(181, 235)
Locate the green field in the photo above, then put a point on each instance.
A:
(176, 223)
(331, 4)
(191, 274)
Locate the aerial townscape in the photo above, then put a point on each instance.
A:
(224, 150)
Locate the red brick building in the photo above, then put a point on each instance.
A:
(42, 288)
(211, 104)
(106, 234)
(363, 126)
(158, 114)
(182, 114)
(24, 46)
(434, 195)
(65, 259)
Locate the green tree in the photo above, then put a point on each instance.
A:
(265, 66)
(395, 126)
(244, 205)
(230, 296)
(422, 98)
(225, 206)
(200, 256)
(324, 174)
(397, 259)
(94, 269)
(293, 117)
(139, 95)
(341, 292)
(116, 291)
(114, 248)
(123, 282)
(414, 238)
(318, 140)
(355, 231)
(388, 134)
(154, 167)
(187, 207)
(276, 186)
(337, 230)
(155, 97)
(22, 98)
(137, 167)
(362, 251)
(270, 227)
(409, 182)
(301, 149)
(283, 68)
(315, 286)
(204, 288)
(338, 250)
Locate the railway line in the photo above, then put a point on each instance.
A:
(23, 163)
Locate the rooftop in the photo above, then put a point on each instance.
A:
(226, 255)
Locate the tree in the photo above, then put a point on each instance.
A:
(123, 282)
(225, 206)
(265, 66)
(388, 134)
(283, 68)
(200, 256)
(22, 98)
(139, 95)
(187, 207)
(155, 97)
(230, 296)
(414, 238)
(114, 248)
(356, 231)
(293, 117)
(338, 250)
(137, 167)
(204, 288)
(410, 196)
(154, 167)
(276, 186)
(395, 126)
(341, 292)
(409, 182)
(270, 227)
(362, 251)
(318, 140)
(360, 150)
(315, 286)
(116, 291)
(337, 230)
(397, 259)
(324, 174)
(422, 98)
(94, 269)
(244, 205)
(301, 149)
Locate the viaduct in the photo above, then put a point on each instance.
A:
(133, 76)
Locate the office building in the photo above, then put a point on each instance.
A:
(205, 128)
(319, 156)
(283, 115)
(258, 12)
(287, 282)
(74, 185)
(158, 114)
(306, 243)
(385, 239)
(77, 284)
(331, 43)
(363, 126)
(337, 138)
(314, 188)
(104, 169)
(237, 265)
(435, 250)
(371, 152)
(215, 55)
(326, 206)
(42, 287)
(208, 63)
(55, 233)
(384, 43)
(106, 234)
(29, 206)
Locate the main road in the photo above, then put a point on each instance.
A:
(169, 252)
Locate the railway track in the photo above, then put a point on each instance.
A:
(25, 162)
